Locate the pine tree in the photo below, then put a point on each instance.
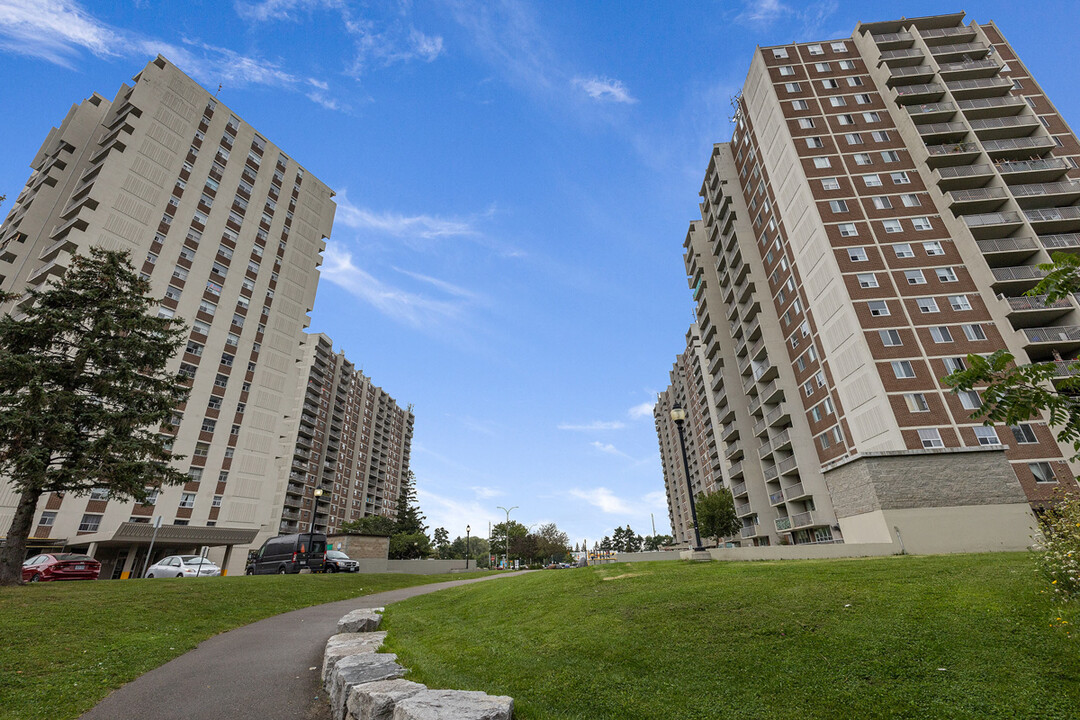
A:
(410, 520)
(84, 393)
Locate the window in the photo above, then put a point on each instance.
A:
(829, 84)
(815, 50)
(90, 523)
(227, 359)
(837, 101)
(830, 184)
(872, 180)
(916, 403)
(848, 230)
(863, 159)
(846, 65)
(179, 273)
(195, 474)
(838, 206)
(927, 305)
(954, 364)
(987, 435)
(857, 254)
(915, 277)
(903, 250)
(946, 274)
(878, 308)
(822, 162)
(854, 81)
(871, 117)
(188, 370)
(882, 202)
(47, 519)
(867, 280)
(787, 70)
(931, 438)
(900, 178)
(199, 327)
(941, 334)
(974, 332)
(172, 292)
(214, 403)
(902, 369)
(213, 288)
(890, 338)
(806, 123)
(862, 99)
(225, 252)
(792, 87)
(194, 348)
(814, 143)
(933, 247)
(1043, 472)
(822, 67)
(840, 47)
(207, 307)
(201, 449)
(970, 399)
(880, 136)
(152, 496)
(99, 494)
(187, 500)
(959, 302)
(911, 200)
(1024, 434)
(779, 53)
(209, 425)
(799, 105)
(216, 501)
(845, 119)
(223, 476)
(892, 226)
(219, 270)
(853, 139)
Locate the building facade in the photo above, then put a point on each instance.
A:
(351, 441)
(877, 216)
(229, 230)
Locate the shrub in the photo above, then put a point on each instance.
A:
(1059, 559)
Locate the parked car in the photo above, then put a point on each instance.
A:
(289, 554)
(60, 566)
(183, 566)
(337, 561)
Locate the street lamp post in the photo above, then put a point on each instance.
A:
(468, 529)
(507, 528)
(317, 494)
(678, 414)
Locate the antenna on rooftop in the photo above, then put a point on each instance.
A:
(737, 106)
(219, 86)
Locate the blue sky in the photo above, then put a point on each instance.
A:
(514, 184)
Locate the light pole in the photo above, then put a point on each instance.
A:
(679, 416)
(317, 494)
(468, 529)
(507, 528)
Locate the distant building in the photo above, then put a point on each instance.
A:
(882, 207)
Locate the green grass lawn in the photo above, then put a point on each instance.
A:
(64, 646)
(901, 637)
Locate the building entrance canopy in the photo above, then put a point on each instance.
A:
(130, 533)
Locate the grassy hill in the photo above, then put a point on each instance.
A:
(902, 637)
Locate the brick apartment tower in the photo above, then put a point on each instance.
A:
(229, 231)
(688, 388)
(878, 214)
(351, 440)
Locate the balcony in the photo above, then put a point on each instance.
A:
(979, 88)
(1062, 241)
(1043, 195)
(918, 94)
(1054, 219)
(947, 35)
(1013, 280)
(959, 153)
(1008, 251)
(776, 498)
(804, 519)
(1035, 311)
(1018, 148)
(985, 68)
(931, 112)
(992, 107)
(770, 472)
(902, 57)
(771, 393)
(738, 489)
(734, 450)
(729, 432)
(765, 450)
(1029, 171)
(947, 53)
(755, 404)
(993, 225)
(963, 176)
(910, 75)
(743, 509)
(1010, 126)
(977, 200)
(783, 524)
(749, 531)
(894, 41)
(943, 132)
(1043, 342)
(736, 470)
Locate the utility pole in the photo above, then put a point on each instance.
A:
(507, 528)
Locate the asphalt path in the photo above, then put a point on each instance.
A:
(269, 670)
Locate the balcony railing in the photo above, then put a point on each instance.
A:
(930, 108)
(749, 531)
(783, 524)
(1057, 333)
(887, 38)
(942, 128)
(1010, 121)
(903, 54)
(1055, 188)
(1037, 302)
(960, 49)
(787, 465)
(977, 194)
(794, 492)
(1021, 272)
(984, 219)
(1026, 143)
(949, 32)
(990, 103)
(738, 489)
(956, 148)
(966, 88)
(803, 519)
(921, 89)
(743, 509)
(969, 65)
(1060, 241)
(776, 498)
(1019, 166)
(965, 171)
(1052, 214)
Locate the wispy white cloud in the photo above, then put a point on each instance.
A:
(446, 287)
(642, 410)
(594, 425)
(603, 499)
(454, 514)
(810, 16)
(399, 225)
(763, 12)
(485, 493)
(609, 449)
(280, 9)
(604, 89)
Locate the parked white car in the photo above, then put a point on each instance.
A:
(183, 566)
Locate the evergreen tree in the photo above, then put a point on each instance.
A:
(84, 394)
(370, 525)
(409, 518)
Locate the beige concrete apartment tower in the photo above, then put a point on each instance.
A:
(229, 231)
(349, 438)
(876, 217)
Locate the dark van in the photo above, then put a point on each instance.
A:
(289, 554)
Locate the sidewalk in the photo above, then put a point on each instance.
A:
(269, 670)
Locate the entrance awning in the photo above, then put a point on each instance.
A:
(130, 533)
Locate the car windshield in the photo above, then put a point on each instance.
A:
(70, 557)
(336, 555)
(195, 560)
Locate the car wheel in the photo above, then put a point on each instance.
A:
(150, 576)
(249, 571)
(281, 570)
(331, 569)
(180, 575)
(36, 577)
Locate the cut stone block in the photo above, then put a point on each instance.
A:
(346, 644)
(376, 700)
(456, 704)
(355, 670)
(365, 620)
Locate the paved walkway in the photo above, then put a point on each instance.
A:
(269, 670)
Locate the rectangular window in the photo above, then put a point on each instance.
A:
(881, 136)
(871, 117)
(970, 399)
(792, 87)
(845, 119)
(199, 327)
(853, 139)
(927, 305)
(863, 159)
(890, 338)
(207, 307)
(857, 254)
(987, 435)
(216, 501)
(922, 223)
(867, 280)
(941, 334)
(931, 438)
(208, 425)
(47, 519)
(933, 248)
(892, 226)
(872, 180)
(916, 403)
(862, 99)
(830, 184)
(915, 277)
(878, 308)
(854, 81)
(201, 449)
(815, 50)
(829, 84)
(837, 101)
(787, 70)
(814, 143)
(227, 359)
(839, 46)
(799, 105)
(848, 230)
(172, 292)
(187, 500)
(214, 403)
(974, 332)
(838, 206)
(194, 348)
(903, 250)
(195, 474)
(959, 302)
(954, 364)
(806, 123)
(1042, 472)
(1024, 434)
(902, 369)
(822, 162)
(822, 67)
(882, 202)
(779, 53)
(99, 494)
(946, 274)
(900, 178)
(846, 65)
(90, 523)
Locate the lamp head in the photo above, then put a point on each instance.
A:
(318, 492)
(468, 529)
(678, 414)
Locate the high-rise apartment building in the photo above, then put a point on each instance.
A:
(877, 216)
(350, 440)
(689, 390)
(229, 231)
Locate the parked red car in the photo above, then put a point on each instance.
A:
(60, 566)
